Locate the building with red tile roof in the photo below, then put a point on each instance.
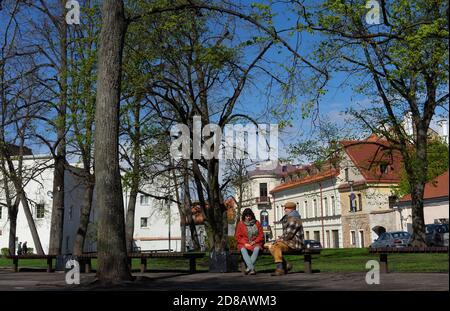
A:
(435, 204)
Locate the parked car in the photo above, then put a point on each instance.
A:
(436, 234)
(390, 239)
(313, 244)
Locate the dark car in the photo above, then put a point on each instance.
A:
(313, 244)
(390, 239)
(436, 234)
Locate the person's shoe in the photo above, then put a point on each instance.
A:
(252, 272)
(287, 266)
(278, 272)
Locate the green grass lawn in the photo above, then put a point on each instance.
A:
(330, 260)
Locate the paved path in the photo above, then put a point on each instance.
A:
(233, 281)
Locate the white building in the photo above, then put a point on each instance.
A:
(151, 218)
(155, 221)
(317, 197)
(38, 189)
(256, 194)
(435, 204)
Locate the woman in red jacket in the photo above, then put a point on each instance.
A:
(249, 237)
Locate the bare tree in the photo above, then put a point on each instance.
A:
(112, 254)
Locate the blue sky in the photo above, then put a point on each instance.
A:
(253, 100)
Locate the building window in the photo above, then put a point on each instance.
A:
(392, 201)
(359, 202)
(263, 190)
(40, 209)
(316, 214)
(361, 238)
(353, 238)
(333, 206)
(352, 201)
(264, 216)
(305, 206)
(346, 174)
(328, 239)
(317, 236)
(325, 205)
(336, 238)
(383, 168)
(145, 199)
(144, 222)
(1, 209)
(307, 235)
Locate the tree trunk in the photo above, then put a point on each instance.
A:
(57, 220)
(13, 209)
(418, 225)
(130, 219)
(180, 210)
(12, 214)
(31, 224)
(112, 251)
(135, 177)
(86, 207)
(417, 185)
(188, 212)
(219, 260)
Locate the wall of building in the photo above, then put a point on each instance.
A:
(434, 209)
(375, 212)
(38, 191)
(153, 236)
(312, 218)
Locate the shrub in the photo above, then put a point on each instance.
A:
(5, 251)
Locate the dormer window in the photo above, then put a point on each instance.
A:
(383, 168)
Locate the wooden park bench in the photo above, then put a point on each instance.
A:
(384, 251)
(15, 259)
(85, 259)
(306, 253)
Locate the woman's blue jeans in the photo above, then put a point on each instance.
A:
(250, 261)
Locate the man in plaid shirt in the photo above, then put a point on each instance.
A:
(292, 238)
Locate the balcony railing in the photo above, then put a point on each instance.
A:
(262, 200)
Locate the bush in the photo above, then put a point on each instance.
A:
(5, 251)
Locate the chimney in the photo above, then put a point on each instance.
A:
(443, 124)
